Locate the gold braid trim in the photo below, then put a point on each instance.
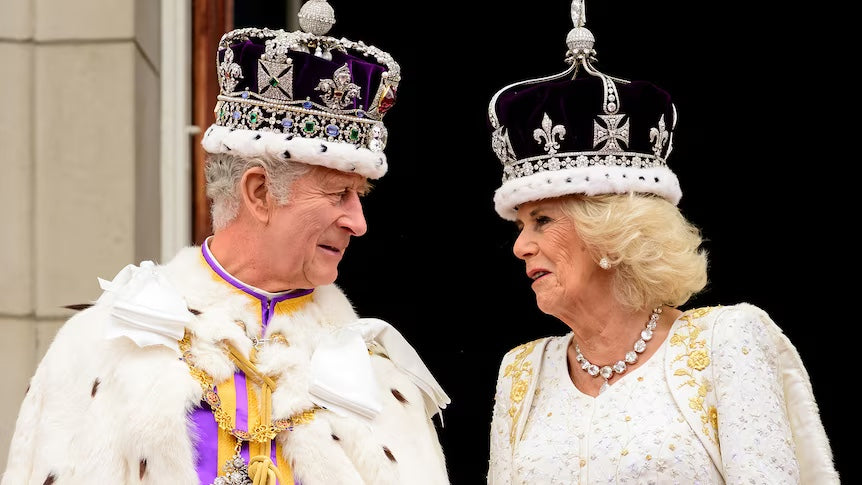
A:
(521, 372)
(263, 433)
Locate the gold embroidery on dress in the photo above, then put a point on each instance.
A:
(696, 355)
(521, 371)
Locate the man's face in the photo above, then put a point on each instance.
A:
(307, 237)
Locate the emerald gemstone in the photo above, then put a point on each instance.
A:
(354, 134)
(309, 126)
(273, 82)
(252, 117)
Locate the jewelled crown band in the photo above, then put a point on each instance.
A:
(304, 96)
(594, 134)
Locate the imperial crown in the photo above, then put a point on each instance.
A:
(304, 96)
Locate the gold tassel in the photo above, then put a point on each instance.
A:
(261, 469)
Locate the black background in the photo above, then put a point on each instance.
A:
(756, 150)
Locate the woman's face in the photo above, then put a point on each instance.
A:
(562, 271)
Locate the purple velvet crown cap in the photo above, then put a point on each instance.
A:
(308, 71)
(590, 134)
(576, 104)
(305, 97)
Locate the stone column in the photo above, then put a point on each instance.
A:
(80, 166)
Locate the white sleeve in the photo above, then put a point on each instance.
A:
(755, 434)
(500, 463)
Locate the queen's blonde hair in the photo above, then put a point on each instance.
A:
(655, 251)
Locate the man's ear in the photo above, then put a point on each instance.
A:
(255, 194)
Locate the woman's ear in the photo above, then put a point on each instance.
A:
(255, 194)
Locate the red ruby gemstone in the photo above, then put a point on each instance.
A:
(387, 100)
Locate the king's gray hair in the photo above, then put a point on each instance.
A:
(223, 172)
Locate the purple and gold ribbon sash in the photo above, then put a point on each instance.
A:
(215, 446)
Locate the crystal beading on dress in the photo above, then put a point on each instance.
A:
(631, 357)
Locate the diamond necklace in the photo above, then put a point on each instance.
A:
(631, 357)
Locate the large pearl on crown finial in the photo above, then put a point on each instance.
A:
(316, 17)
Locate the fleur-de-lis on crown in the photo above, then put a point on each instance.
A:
(338, 92)
(549, 133)
(229, 72)
(659, 136)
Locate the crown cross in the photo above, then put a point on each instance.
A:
(610, 133)
(549, 132)
(275, 79)
(338, 92)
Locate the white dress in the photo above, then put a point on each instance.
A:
(633, 433)
(725, 399)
